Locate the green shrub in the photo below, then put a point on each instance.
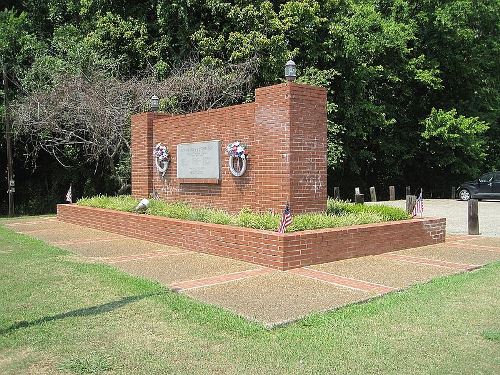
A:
(119, 203)
(177, 210)
(247, 218)
(387, 213)
(338, 214)
(319, 221)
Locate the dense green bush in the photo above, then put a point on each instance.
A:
(336, 207)
(339, 214)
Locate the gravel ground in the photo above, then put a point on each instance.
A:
(455, 213)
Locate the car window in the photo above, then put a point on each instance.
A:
(486, 177)
(497, 176)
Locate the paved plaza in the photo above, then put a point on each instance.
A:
(455, 212)
(265, 295)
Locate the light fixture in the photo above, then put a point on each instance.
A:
(290, 71)
(155, 103)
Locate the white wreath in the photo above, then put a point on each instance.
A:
(237, 150)
(161, 155)
(161, 166)
(243, 168)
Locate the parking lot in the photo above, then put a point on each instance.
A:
(455, 213)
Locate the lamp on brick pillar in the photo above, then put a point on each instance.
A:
(155, 103)
(290, 71)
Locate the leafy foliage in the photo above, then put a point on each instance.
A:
(385, 63)
(339, 214)
(336, 207)
(455, 143)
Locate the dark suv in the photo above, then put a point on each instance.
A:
(485, 187)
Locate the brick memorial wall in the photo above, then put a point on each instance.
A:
(286, 134)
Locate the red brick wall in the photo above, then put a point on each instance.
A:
(271, 249)
(226, 124)
(285, 130)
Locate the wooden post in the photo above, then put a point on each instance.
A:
(336, 192)
(453, 192)
(392, 193)
(473, 217)
(411, 200)
(359, 198)
(357, 191)
(373, 194)
(408, 190)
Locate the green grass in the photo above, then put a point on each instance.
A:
(61, 316)
(338, 214)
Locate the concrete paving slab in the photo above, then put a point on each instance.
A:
(383, 271)
(483, 241)
(40, 225)
(119, 247)
(462, 253)
(221, 279)
(430, 262)
(182, 267)
(27, 219)
(65, 235)
(342, 281)
(278, 297)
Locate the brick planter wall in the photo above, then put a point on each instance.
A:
(271, 249)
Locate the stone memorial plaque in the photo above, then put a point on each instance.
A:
(198, 161)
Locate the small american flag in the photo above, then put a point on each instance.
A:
(69, 195)
(286, 219)
(419, 205)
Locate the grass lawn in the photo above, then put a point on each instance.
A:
(61, 316)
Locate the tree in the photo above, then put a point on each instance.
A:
(385, 64)
(85, 119)
(455, 145)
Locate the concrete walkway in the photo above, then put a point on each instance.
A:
(265, 295)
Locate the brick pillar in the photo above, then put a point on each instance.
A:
(308, 148)
(271, 154)
(142, 154)
(289, 157)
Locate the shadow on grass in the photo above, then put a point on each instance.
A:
(87, 311)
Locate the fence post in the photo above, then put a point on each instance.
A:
(357, 191)
(453, 192)
(473, 217)
(392, 193)
(408, 190)
(411, 200)
(336, 192)
(373, 194)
